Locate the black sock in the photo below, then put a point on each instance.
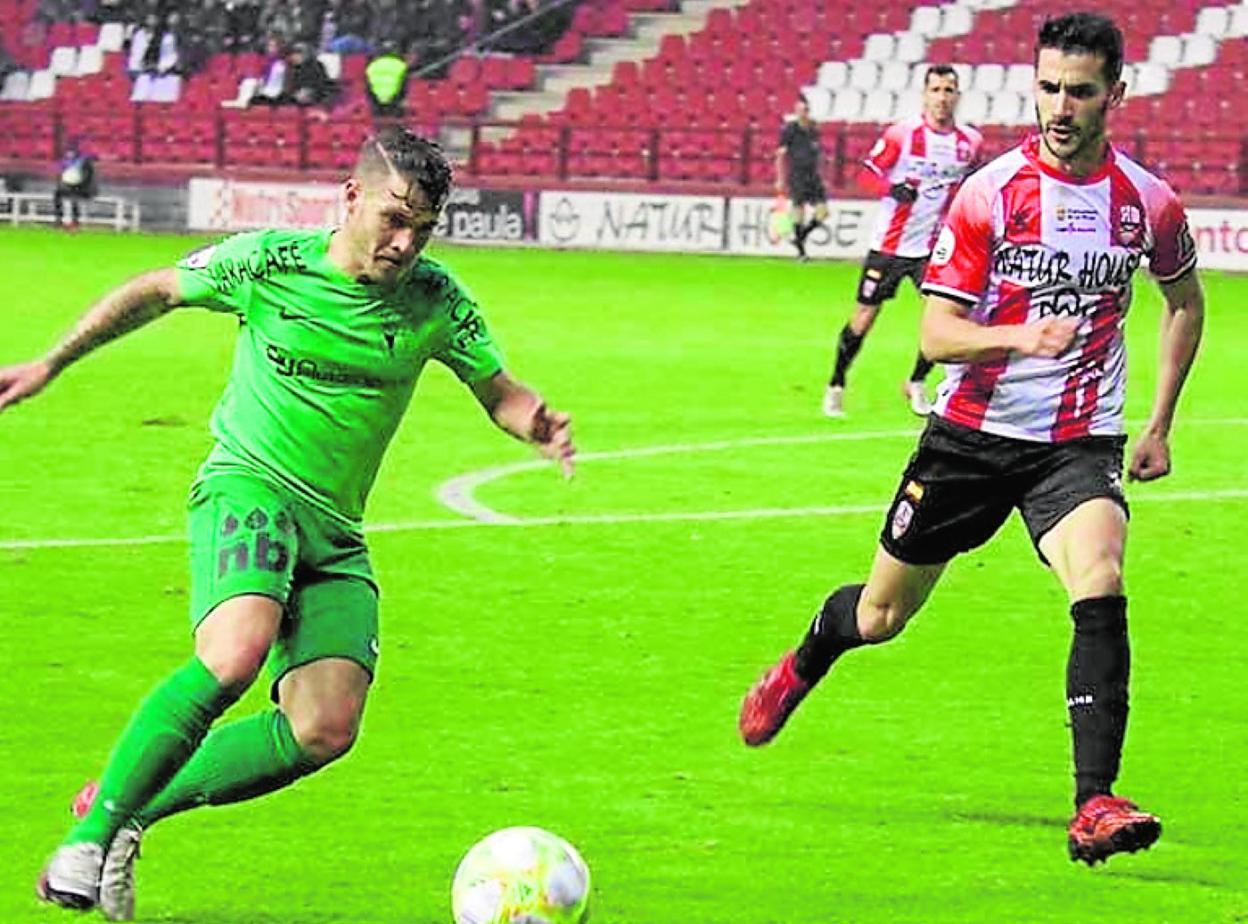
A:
(803, 230)
(1096, 692)
(833, 632)
(846, 350)
(922, 366)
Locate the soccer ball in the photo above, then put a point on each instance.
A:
(521, 876)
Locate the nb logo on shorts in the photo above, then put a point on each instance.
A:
(265, 555)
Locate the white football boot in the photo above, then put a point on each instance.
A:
(117, 877)
(72, 877)
(833, 400)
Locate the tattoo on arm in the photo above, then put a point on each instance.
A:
(124, 309)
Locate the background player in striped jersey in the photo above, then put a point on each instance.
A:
(915, 167)
(799, 157)
(336, 326)
(1028, 292)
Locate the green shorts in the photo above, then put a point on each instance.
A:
(251, 536)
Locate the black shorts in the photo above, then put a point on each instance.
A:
(807, 189)
(961, 484)
(882, 274)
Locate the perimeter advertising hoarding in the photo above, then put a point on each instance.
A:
(482, 215)
(632, 221)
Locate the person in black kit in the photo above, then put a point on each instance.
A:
(801, 147)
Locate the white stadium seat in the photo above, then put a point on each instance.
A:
(909, 105)
(90, 60)
(820, 101)
(879, 47)
(956, 19)
(64, 61)
(42, 85)
(332, 62)
(166, 88)
(16, 87)
(1004, 108)
(878, 106)
(966, 74)
(1150, 79)
(864, 75)
(925, 20)
(917, 72)
(846, 104)
(895, 76)
(112, 36)
(1238, 26)
(141, 92)
(833, 75)
(1213, 20)
(1019, 77)
(989, 77)
(974, 107)
(1198, 50)
(1166, 50)
(910, 47)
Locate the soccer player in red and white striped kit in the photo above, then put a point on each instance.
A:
(916, 168)
(1027, 295)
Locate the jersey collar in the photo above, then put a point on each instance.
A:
(1031, 150)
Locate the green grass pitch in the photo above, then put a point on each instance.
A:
(584, 674)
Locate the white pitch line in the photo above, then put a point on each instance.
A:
(458, 494)
(473, 479)
(758, 513)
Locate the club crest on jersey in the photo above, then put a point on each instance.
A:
(1128, 225)
(903, 516)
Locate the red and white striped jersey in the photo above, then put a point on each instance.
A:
(1023, 242)
(932, 161)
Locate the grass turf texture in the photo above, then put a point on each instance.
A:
(586, 677)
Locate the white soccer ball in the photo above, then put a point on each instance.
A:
(521, 876)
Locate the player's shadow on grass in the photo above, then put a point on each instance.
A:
(1011, 819)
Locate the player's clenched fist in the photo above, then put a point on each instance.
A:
(552, 434)
(1047, 338)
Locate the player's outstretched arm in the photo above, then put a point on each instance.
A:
(947, 335)
(520, 411)
(124, 309)
(1181, 325)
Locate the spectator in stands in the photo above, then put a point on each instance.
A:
(144, 48)
(309, 81)
(354, 20)
(274, 84)
(243, 31)
(529, 29)
(75, 182)
(798, 159)
(168, 57)
(385, 81)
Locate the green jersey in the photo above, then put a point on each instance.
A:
(325, 365)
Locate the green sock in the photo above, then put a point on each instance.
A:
(162, 734)
(238, 761)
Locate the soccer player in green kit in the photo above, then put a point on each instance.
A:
(335, 327)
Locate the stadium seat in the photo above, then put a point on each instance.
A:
(1019, 78)
(820, 100)
(989, 78)
(112, 37)
(833, 75)
(1166, 50)
(925, 20)
(895, 76)
(90, 61)
(880, 47)
(877, 106)
(16, 87)
(846, 105)
(910, 47)
(863, 75)
(64, 61)
(42, 86)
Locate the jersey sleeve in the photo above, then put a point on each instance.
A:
(1173, 255)
(215, 276)
(962, 258)
(466, 346)
(885, 153)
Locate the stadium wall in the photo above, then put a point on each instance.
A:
(619, 220)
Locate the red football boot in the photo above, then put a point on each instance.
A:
(770, 702)
(1106, 825)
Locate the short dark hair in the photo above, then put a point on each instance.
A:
(941, 70)
(416, 159)
(1087, 33)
